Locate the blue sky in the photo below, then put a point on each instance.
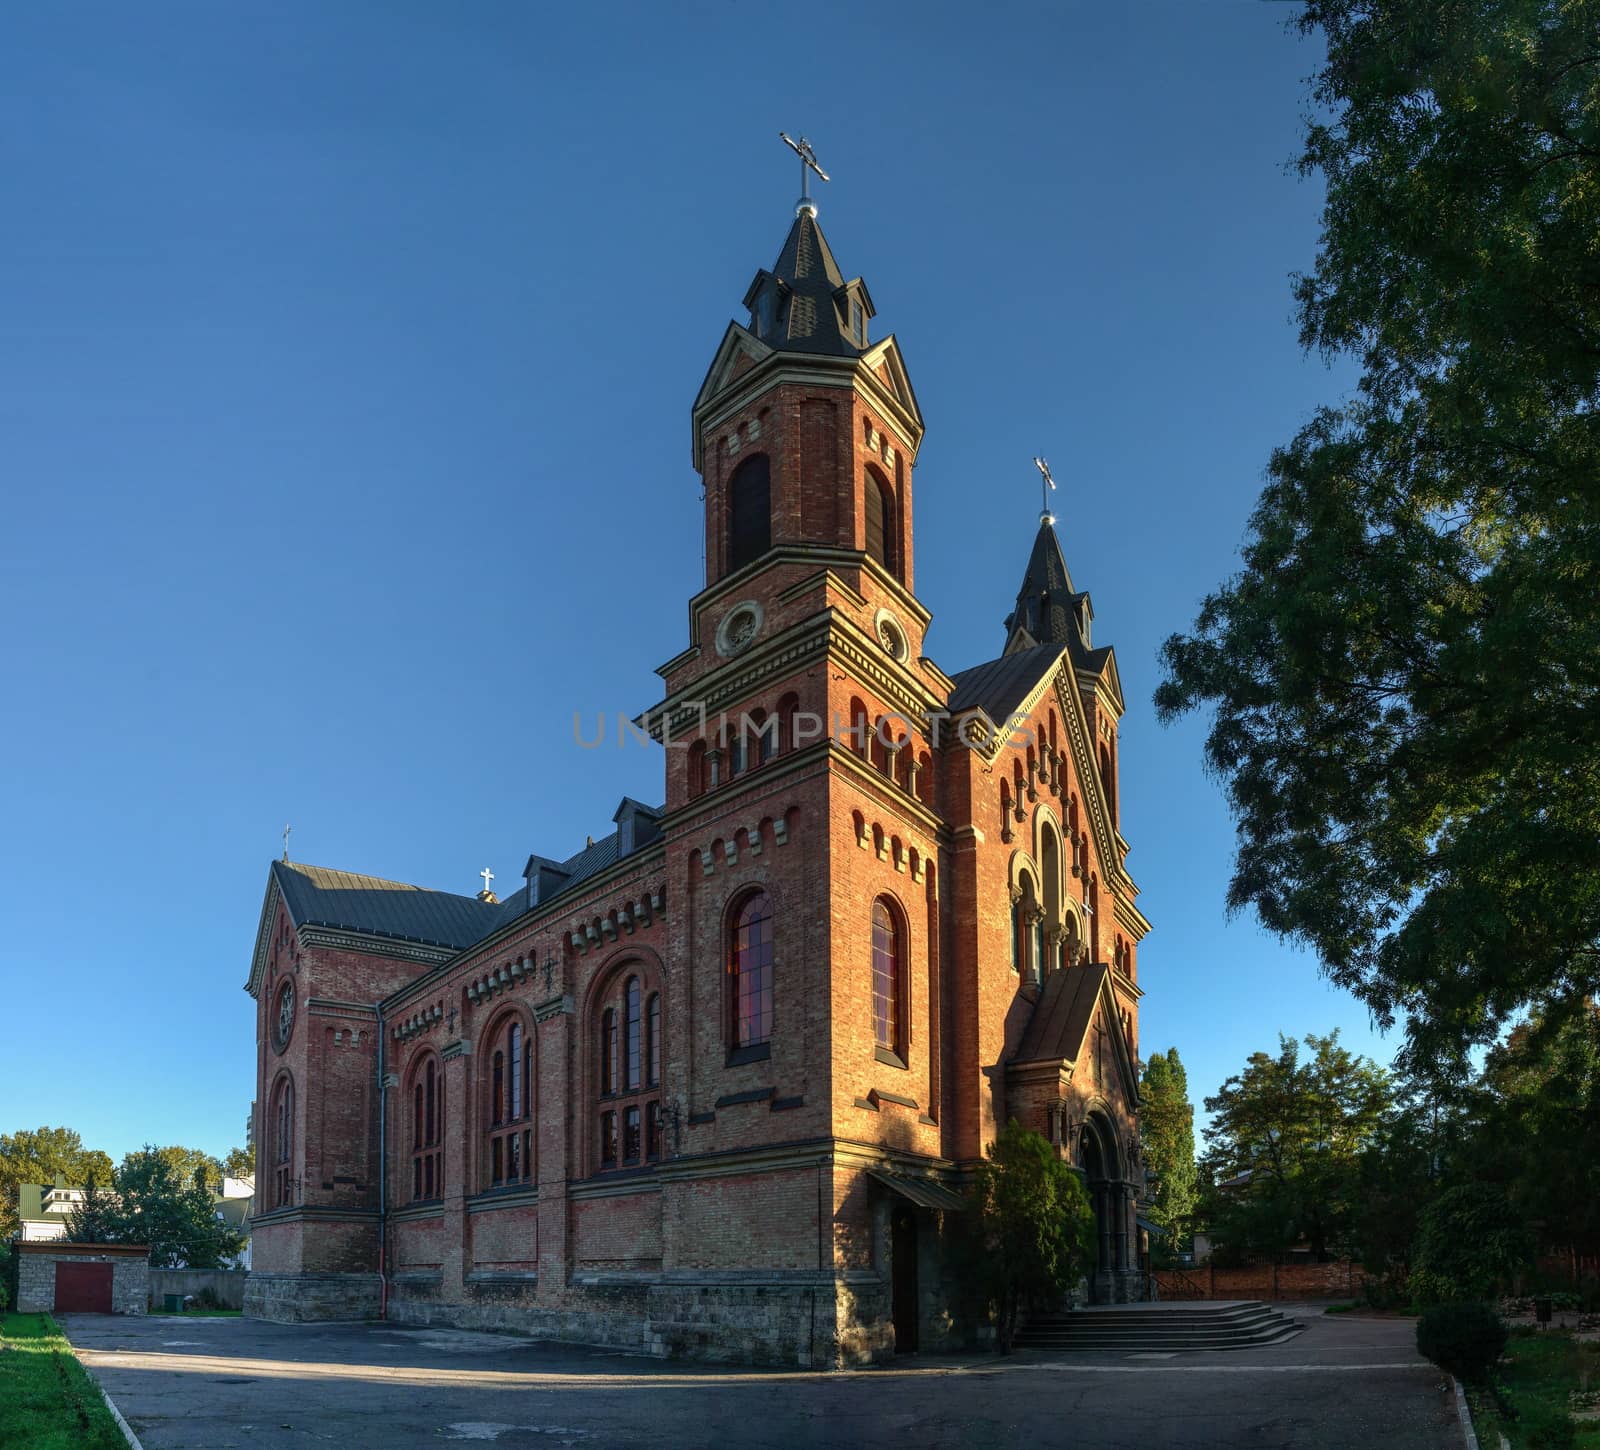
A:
(344, 440)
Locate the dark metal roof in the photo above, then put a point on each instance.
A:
(317, 896)
(999, 686)
(924, 1192)
(346, 901)
(803, 303)
(1062, 1014)
(1048, 607)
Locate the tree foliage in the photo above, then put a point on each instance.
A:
(1031, 1230)
(1470, 1243)
(147, 1203)
(1166, 1134)
(43, 1155)
(186, 1162)
(1404, 674)
(1285, 1144)
(240, 1162)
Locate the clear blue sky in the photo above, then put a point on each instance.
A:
(347, 359)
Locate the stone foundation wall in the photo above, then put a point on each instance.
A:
(297, 1298)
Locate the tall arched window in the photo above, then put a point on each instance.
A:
(888, 980)
(750, 979)
(282, 1155)
(427, 1130)
(880, 521)
(1108, 781)
(630, 1052)
(510, 1143)
(749, 511)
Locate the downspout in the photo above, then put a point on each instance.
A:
(383, 1172)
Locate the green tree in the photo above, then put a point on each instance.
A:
(94, 1220)
(1470, 1242)
(1405, 674)
(1031, 1226)
(186, 1162)
(151, 1205)
(240, 1162)
(1284, 1146)
(41, 1156)
(1166, 1134)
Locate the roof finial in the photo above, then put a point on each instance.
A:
(808, 164)
(286, 831)
(1046, 487)
(486, 894)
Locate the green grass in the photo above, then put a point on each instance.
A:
(1539, 1377)
(47, 1401)
(198, 1313)
(1344, 1308)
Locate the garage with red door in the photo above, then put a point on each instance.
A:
(66, 1278)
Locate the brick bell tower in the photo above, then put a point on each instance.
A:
(802, 776)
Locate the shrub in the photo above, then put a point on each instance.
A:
(1470, 1241)
(1545, 1427)
(1467, 1339)
(1388, 1290)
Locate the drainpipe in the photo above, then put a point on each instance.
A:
(383, 1170)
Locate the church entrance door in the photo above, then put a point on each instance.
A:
(903, 1276)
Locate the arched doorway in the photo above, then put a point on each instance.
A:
(1098, 1158)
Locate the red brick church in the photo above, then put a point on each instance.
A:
(709, 1085)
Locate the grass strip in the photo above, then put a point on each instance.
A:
(47, 1400)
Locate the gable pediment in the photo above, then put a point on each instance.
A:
(739, 351)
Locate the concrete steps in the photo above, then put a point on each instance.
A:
(1172, 1327)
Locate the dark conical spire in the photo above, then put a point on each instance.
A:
(804, 303)
(1049, 610)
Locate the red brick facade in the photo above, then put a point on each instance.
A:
(750, 1213)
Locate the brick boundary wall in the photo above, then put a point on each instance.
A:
(36, 1273)
(1341, 1279)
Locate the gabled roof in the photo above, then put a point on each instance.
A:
(1000, 686)
(345, 901)
(1061, 1018)
(1062, 1014)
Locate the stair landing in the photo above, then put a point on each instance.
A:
(1177, 1326)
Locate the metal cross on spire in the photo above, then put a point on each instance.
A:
(488, 876)
(1046, 488)
(808, 164)
(286, 831)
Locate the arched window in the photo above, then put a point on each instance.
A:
(1108, 781)
(860, 728)
(888, 980)
(1005, 810)
(880, 521)
(427, 1130)
(282, 1155)
(1094, 918)
(630, 1058)
(698, 781)
(749, 511)
(788, 708)
(750, 978)
(509, 1159)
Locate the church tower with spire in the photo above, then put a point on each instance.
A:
(713, 1084)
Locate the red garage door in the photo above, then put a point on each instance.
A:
(83, 1288)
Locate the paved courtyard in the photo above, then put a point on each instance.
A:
(212, 1384)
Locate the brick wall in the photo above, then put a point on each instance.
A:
(1341, 1279)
